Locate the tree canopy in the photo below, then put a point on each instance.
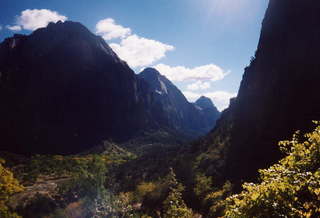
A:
(290, 188)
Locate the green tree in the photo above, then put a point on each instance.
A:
(215, 201)
(144, 189)
(174, 206)
(203, 185)
(290, 188)
(8, 186)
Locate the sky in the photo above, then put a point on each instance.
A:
(202, 46)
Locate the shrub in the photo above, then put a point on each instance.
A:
(290, 188)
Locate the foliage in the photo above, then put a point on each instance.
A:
(144, 189)
(203, 184)
(290, 188)
(81, 178)
(216, 200)
(88, 177)
(174, 206)
(8, 186)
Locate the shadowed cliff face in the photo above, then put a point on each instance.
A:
(208, 111)
(279, 91)
(62, 89)
(170, 108)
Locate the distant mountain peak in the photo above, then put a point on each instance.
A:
(65, 23)
(204, 102)
(150, 72)
(173, 109)
(156, 80)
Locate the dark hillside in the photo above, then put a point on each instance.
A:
(278, 94)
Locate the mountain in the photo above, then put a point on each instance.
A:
(205, 103)
(170, 108)
(278, 94)
(63, 89)
(208, 109)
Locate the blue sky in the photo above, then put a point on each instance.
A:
(201, 45)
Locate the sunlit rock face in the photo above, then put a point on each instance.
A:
(62, 90)
(279, 91)
(170, 108)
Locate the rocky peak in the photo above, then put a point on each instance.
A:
(204, 102)
(157, 82)
(72, 37)
(151, 72)
(172, 109)
(151, 75)
(64, 85)
(67, 27)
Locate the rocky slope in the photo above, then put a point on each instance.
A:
(171, 109)
(278, 93)
(63, 89)
(208, 110)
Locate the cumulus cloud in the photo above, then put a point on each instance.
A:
(140, 52)
(36, 18)
(191, 96)
(108, 29)
(199, 85)
(210, 72)
(221, 99)
(14, 28)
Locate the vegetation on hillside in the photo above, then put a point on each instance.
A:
(59, 185)
(8, 186)
(111, 184)
(290, 188)
(174, 205)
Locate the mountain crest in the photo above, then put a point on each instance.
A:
(66, 86)
(172, 108)
(204, 102)
(158, 82)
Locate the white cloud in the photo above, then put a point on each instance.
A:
(140, 52)
(210, 72)
(14, 28)
(36, 18)
(191, 96)
(199, 85)
(221, 99)
(108, 29)
(135, 50)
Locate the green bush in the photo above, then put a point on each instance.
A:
(8, 186)
(290, 188)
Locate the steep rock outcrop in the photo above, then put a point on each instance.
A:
(170, 108)
(278, 93)
(63, 89)
(208, 110)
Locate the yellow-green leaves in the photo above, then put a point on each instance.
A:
(8, 186)
(174, 205)
(290, 188)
